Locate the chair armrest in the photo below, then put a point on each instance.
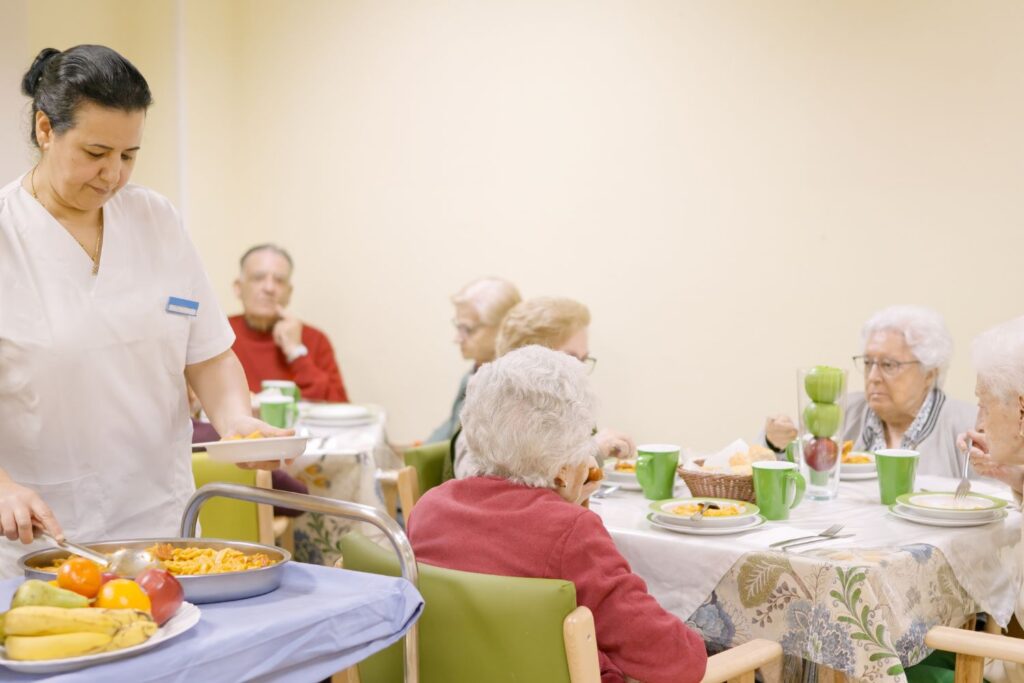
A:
(581, 646)
(976, 644)
(742, 659)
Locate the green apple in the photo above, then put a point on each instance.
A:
(824, 384)
(822, 419)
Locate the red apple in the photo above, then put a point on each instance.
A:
(821, 454)
(164, 591)
(108, 576)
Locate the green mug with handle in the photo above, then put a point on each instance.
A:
(779, 487)
(656, 469)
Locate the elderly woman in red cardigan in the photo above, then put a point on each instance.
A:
(527, 421)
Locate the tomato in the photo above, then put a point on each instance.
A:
(80, 575)
(123, 594)
(164, 591)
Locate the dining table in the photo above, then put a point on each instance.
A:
(856, 607)
(319, 622)
(340, 462)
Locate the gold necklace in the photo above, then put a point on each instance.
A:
(95, 255)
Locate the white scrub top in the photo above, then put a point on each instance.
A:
(93, 408)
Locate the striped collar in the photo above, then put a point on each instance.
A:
(873, 434)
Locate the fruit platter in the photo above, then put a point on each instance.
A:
(209, 570)
(85, 617)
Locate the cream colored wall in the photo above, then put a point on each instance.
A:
(731, 187)
(13, 114)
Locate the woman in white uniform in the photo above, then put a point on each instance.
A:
(104, 311)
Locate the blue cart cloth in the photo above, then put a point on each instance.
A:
(320, 621)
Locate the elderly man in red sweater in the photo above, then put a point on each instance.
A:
(272, 343)
(527, 421)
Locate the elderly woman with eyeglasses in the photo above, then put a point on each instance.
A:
(907, 350)
(560, 324)
(527, 419)
(480, 306)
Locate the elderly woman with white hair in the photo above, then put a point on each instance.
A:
(907, 350)
(998, 452)
(528, 419)
(480, 306)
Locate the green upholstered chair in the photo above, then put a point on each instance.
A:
(478, 627)
(428, 460)
(229, 519)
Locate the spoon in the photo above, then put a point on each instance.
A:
(122, 562)
(699, 514)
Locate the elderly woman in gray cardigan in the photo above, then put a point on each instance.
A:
(907, 350)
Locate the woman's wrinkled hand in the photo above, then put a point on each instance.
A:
(986, 466)
(613, 444)
(20, 508)
(779, 431)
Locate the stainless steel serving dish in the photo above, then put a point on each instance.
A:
(198, 589)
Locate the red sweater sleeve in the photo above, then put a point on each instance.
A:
(633, 630)
(317, 373)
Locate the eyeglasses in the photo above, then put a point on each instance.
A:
(888, 367)
(589, 361)
(466, 331)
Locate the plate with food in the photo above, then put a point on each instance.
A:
(749, 523)
(853, 464)
(209, 570)
(52, 640)
(914, 515)
(254, 448)
(945, 505)
(621, 472)
(715, 512)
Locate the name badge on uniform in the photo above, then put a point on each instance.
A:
(182, 306)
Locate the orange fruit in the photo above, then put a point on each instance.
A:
(80, 575)
(123, 594)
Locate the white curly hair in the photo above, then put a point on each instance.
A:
(998, 357)
(528, 414)
(923, 329)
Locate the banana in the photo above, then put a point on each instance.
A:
(56, 647)
(37, 620)
(133, 634)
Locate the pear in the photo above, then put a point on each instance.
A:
(35, 592)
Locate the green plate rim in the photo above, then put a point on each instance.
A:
(904, 499)
(655, 506)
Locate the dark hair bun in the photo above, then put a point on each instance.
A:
(35, 72)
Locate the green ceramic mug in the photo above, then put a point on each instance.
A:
(277, 410)
(656, 469)
(284, 387)
(897, 469)
(779, 487)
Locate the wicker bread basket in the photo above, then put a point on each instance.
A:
(718, 484)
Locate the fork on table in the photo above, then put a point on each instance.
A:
(830, 532)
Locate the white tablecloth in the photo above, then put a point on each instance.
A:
(681, 571)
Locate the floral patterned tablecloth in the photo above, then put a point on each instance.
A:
(860, 606)
(860, 612)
